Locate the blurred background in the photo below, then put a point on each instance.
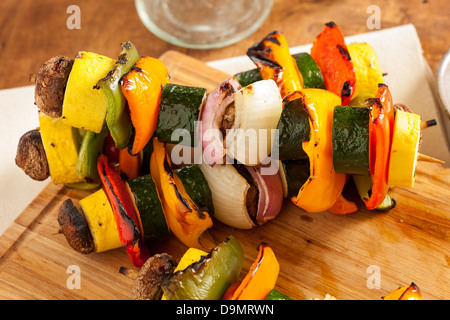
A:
(32, 31)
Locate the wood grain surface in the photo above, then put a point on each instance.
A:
(33, 31)
(318, 253)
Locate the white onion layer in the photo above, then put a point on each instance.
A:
(257, 112)
(229, 192)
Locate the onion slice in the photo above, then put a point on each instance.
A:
(257, 112)
(229, 191)
(270, 194)
(211, 120)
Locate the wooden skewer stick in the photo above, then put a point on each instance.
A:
(130, 273)
(423, 157)
(427, 124)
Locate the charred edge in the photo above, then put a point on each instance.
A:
(127, 45)
(167, 167)
(344, 52)
(227, 89)
(347, 90)
(261, 248)
(194, 267)
(180, 197)
(272, 37)
(136, 68)
(122, 210)
(431, 123)
(123, 58)
(381, 85)
(330, 24)
(377, 103)
(259, 54)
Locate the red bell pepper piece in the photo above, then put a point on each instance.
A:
(380, 130)
(331, 55)
(125, 215)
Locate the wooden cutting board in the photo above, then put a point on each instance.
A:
(318, 253)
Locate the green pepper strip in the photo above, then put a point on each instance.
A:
(208, 278)
(91, 147)
(118, 121)
(125, 215)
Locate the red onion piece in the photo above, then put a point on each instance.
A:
(211, 118)
(270, 194)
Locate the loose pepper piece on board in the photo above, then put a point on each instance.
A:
(331, 54)
(324, 185)
(411, 292)
(380, 129)
(261, 278)
(142, 88)
(185, 219)
(272, 57)
(208, 277)
(124, 213)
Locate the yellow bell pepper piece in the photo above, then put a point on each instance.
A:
(83, 106)
(188, 223)
(367, 68)
(190, 256)
(101, 221)
(61, 148)
(321, 190)
(404, 150)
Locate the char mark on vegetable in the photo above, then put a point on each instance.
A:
(347, 89)
(344, 52)
(123, 213)
(330, 24)
(259, 53)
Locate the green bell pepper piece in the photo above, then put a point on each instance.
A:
(208, 278)
(274, 294)
(118, 121)
(91, 147)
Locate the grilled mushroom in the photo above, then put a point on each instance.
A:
(30, 156)
(75, 227)
(147, 285)
(51, 83)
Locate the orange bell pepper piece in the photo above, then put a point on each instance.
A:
(274, 61)
(381, 127)
(189, 223)
(261, 277)
(343, 206)
(322, 189)
(331, 55)
(129, 164)
(142, 88)
(411, 292)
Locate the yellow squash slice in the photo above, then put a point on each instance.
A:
(101, 221)
(367, 68)
(61, 148)
(404, 150)
(85, 107)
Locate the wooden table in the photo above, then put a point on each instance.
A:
(32, 31)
